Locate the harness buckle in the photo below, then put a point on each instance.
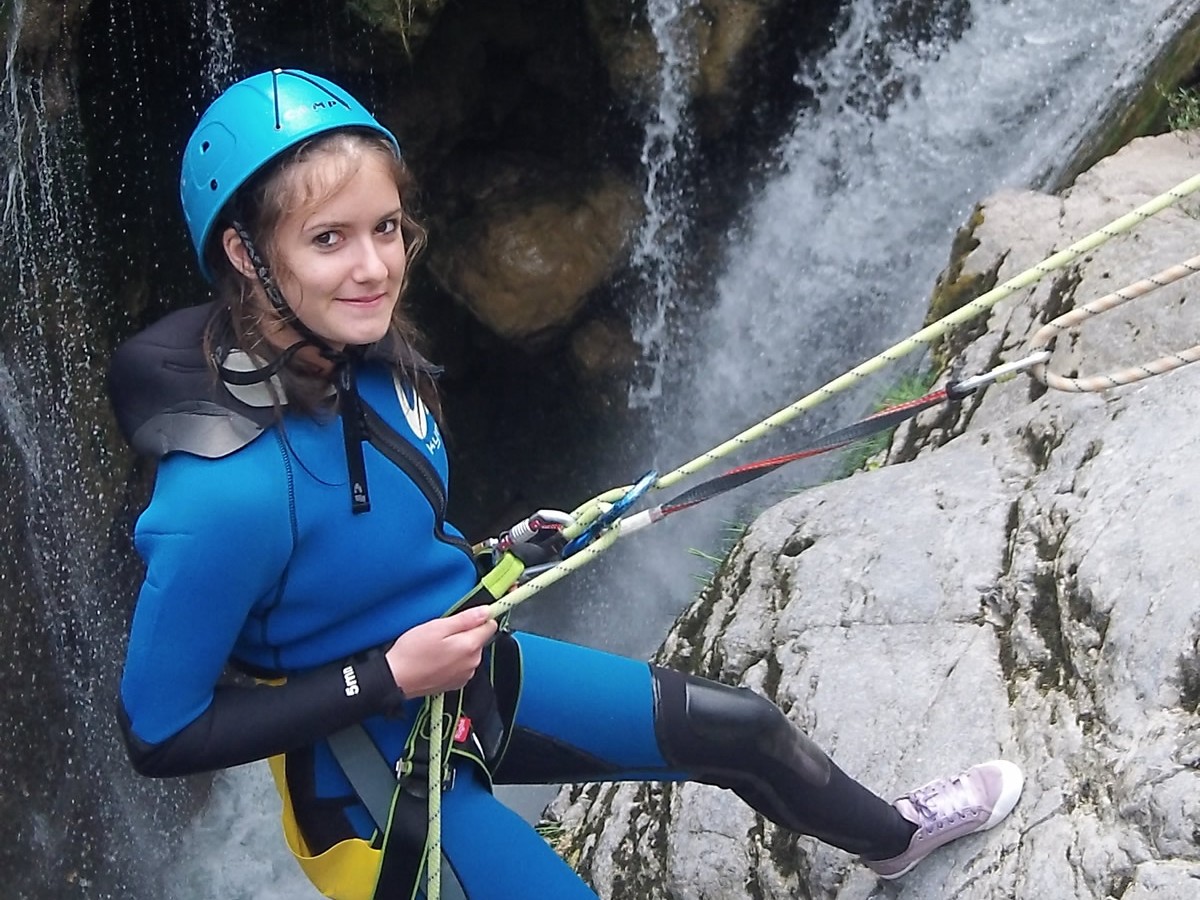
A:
(414, 778)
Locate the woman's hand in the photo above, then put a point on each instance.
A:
(441, 655)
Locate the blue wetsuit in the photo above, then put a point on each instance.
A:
(256, 557)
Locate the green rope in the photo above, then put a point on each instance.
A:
(497, 582)
(920, 339)
(433, 837)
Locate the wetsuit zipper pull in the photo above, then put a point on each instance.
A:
(355, 434)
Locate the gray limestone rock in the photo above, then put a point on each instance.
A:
(1021, 580)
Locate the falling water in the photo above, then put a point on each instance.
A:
(60, 601)
(838, 253)
(833, 260)
(214, 32)
(658, 247)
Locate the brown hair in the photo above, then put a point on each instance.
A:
(259, 205)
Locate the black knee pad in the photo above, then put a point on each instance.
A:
(724, 734)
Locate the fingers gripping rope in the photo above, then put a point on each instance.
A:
(1046, 337)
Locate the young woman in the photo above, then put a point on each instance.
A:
(297, 532)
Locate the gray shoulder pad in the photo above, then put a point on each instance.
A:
(168, 398)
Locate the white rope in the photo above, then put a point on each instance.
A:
(1049, 333)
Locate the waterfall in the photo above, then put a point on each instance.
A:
(832, 259)
(57, 583)
(658, 247)
(839, 252)
(213, 30)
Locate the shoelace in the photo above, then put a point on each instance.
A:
(941, 802)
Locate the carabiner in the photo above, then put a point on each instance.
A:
(611, 515)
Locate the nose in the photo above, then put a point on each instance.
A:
(370, 266)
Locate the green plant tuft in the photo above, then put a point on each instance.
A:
(910, 387)
(731, 533)
(1183, 109)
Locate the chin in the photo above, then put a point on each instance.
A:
(366, 336)
(363, 332)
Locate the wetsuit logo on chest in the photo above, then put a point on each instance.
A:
(417, 416)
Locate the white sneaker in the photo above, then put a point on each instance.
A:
(947, 809)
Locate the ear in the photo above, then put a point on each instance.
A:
(235, 250)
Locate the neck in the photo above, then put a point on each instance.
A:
(309, 358)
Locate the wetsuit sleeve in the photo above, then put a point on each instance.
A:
(243, 724)
(217, 538)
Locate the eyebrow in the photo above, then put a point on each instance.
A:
(330, 225)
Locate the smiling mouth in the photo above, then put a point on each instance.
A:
(363, 301)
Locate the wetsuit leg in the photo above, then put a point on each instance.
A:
(585, 715)
(582, 715)
(737, 739)
(495, 854)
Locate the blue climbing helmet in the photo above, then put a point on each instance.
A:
(246, 127)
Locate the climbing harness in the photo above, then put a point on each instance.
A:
(497, 583)
(404, 800)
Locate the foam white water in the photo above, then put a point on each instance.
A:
(834, 258)
(214, 29)
(239, 851)
(839, 252)
(667, 143)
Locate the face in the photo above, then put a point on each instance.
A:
(340, 262)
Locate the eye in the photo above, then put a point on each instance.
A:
(388, 226)
(326, 239)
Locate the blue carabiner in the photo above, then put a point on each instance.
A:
(605, 519)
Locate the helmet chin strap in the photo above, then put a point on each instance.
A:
(286, 314)
(344, 375)
(257, 375)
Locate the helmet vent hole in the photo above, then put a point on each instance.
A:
(213, 184)
(204, 147)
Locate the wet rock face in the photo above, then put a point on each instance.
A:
(409, 23)
(526, 261)
(1023, 585)
(44, 45)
